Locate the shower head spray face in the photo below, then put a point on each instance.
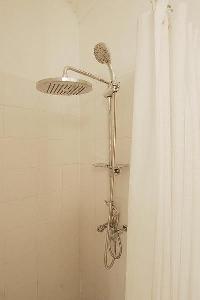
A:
(102, 54)
(63, 86)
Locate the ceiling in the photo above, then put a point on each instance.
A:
(81, 7)
(74, 3)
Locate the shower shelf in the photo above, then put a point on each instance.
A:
(117, 168)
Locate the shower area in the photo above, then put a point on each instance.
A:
(99, 150)
(64, 162)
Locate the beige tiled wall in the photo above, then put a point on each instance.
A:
(39, 167)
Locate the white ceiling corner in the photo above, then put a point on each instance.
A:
(74, 4)
(81, 7)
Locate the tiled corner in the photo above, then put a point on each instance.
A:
(2, 121)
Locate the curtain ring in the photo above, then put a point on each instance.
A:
(170, 8)
(153, 4)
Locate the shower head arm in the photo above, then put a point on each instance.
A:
(85, 73)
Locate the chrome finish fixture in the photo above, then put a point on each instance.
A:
(113, 243)
(63, 86)
(104, 226)
(102, 54)
(85, 73)
(67, 86)
(113, 87)
(118, 167)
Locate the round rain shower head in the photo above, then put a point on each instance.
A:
(63, 86)
(102, 53)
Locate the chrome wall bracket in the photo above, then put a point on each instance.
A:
(113, 87)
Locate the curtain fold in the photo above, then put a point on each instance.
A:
(163, 260)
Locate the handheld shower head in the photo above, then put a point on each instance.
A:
(102, 54)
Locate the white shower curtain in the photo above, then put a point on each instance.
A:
(163, 260)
